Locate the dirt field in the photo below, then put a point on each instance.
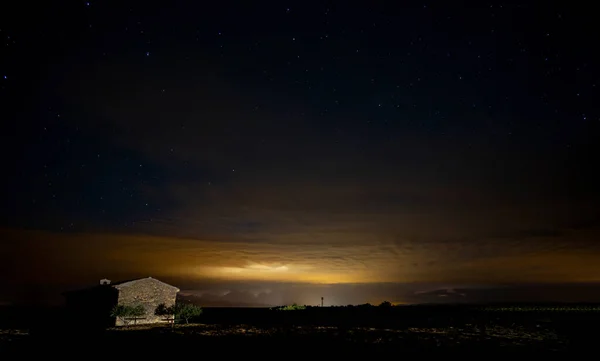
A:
(320, 333)
(299, 340)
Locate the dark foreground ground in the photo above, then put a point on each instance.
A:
(323, 333)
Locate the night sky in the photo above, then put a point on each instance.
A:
(277, 152)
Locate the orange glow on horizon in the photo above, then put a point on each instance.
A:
(65, 256)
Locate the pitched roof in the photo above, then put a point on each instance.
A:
(121, 284)
(113, 285)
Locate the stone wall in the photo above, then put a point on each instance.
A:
(149, 293)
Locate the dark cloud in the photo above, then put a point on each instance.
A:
(255, 296)
(527, 293)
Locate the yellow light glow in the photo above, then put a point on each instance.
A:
(92, 255)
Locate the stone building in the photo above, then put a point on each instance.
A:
(148, 292)
(93, 306)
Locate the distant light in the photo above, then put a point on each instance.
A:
(5, 77)
(147, 53)
(87, 4)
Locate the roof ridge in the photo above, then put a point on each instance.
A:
(121, 283)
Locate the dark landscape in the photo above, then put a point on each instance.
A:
(298, 180)
(467, 329)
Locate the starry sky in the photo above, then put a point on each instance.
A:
(261, 153)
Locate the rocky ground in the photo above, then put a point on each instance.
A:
(293, 340)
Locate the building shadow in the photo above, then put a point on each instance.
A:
(91, 308)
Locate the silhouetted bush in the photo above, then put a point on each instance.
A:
(187, 311)
(365, 305)
(162, 310)
(180, 311)
(126, 312)
(292, 307)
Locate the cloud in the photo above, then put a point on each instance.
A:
(252, 192)
(84, 255)
(211, 129)
(337, 256)
(397, 293)
(529, 293)
(353, 270)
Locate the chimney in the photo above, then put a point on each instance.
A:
(104, 281)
